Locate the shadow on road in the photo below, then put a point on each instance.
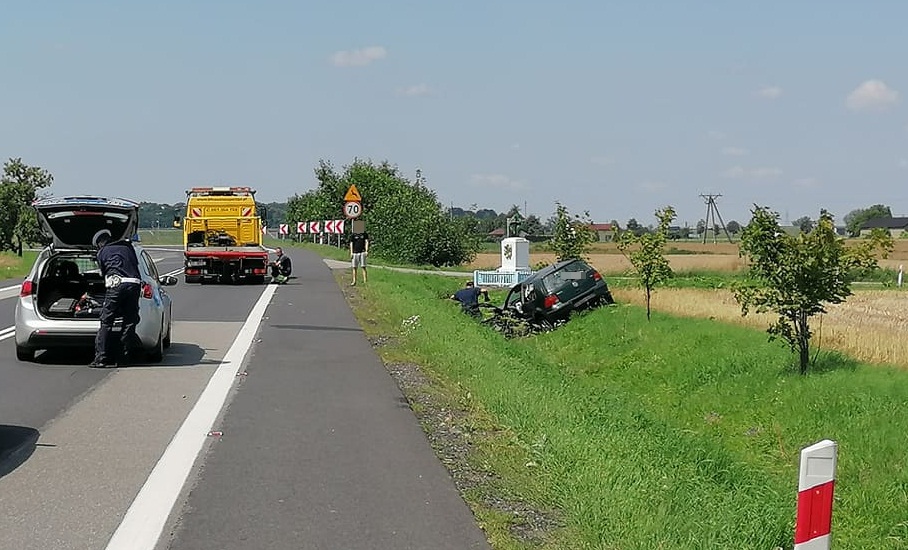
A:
(317, 327)
(179, 354)
(17, 443)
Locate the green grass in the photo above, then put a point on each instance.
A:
(14, 267)
(677, 433)
(167, 236)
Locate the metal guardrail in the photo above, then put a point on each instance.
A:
(500, 278)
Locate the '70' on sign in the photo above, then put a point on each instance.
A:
(352, 209)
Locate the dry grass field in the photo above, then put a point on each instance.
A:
(871, 326)
(683, 257)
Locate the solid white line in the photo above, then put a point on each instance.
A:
(146, 517)
(4, 289)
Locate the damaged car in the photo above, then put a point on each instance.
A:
(59, 303)
(547, 298)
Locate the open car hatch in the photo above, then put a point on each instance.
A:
(72, 222)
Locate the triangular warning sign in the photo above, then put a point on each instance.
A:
(353, 194)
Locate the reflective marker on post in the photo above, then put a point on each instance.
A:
(816, 482)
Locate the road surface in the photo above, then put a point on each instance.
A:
(271, 424)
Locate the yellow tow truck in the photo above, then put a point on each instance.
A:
(222, 236)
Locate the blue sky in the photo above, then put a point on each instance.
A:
(613, 107)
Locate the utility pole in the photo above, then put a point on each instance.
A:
(712, 211)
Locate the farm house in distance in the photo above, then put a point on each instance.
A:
(895, 226)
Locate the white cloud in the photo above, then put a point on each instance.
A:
(652, 186)
(872, 95)
(806, 182)
(602, 161)
(734, 151)
(762, 173)
(735, 172)
(358, 58)
(903, 163)
(765, 172)
(415, 91)
(715, 134)
(515, 146)
(769, 92)
(496, 180)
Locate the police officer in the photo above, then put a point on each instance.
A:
(120, 269)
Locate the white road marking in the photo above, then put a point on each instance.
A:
(8, 332)
(147, 515)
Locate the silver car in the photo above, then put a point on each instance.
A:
(59, 301)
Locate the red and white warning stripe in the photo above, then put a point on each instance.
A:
(196, 212)
(816, 482)
(246, 211)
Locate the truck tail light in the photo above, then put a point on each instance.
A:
(550, 301)
(28, 288)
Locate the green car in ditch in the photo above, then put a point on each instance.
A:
(550, 295)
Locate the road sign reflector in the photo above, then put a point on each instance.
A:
(353, 194)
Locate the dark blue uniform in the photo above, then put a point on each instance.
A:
(469, 299)
(118, 260)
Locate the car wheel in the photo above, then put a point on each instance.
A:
(156, 354)
(25, 354)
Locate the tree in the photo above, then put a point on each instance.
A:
(647, 253)
(804, 223)
(733, 227)
(795, 276)
(572, 235)
(701, 227)
(20, 186)
(405, 221)
(856, 218)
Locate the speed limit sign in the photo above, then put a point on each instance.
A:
(352, 209)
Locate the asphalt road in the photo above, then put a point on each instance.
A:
(315, 446)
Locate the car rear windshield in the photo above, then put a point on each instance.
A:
(571, 272)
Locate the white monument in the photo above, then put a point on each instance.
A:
(515, 265)
(515, 255)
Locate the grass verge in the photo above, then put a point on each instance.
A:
(13, 266)
(614, 432)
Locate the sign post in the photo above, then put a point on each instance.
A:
(353, 203)
(816, 481)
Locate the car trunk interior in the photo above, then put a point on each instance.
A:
(71, 287)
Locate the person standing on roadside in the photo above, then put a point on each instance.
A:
(359, 249)
(120, 269)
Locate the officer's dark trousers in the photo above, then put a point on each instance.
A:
(119, 301)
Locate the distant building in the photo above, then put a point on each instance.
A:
(497, 234)
(604, 231)
(895, 226)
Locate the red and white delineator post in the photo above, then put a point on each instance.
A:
(816, 482)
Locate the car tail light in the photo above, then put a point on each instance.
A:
(28, 288)
(596, 276)
(146, 291)
(550, 301)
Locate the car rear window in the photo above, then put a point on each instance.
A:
(571, 272)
